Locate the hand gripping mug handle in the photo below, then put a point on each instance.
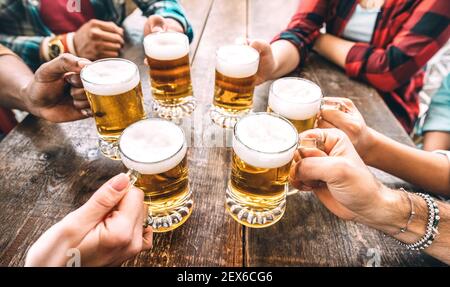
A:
(133, 175)
(304, 143)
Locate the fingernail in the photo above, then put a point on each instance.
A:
(72, 79)
(120, 182)
(86, 112)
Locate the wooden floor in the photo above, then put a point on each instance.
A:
(47, 170)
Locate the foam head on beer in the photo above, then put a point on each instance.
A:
(264, 140)
(237, 61)
(295, 98)
(166, 46)
(152, 146)
(110, 77)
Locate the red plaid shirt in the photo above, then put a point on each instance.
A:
(407, 34)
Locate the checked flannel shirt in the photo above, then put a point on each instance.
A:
(407, 34)
(22, 29)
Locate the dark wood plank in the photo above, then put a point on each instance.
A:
(309, 235)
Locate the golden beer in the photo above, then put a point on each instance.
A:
(300, 125)
(234, 94)
(115, 98)
(263, 149)
(296, 99)
(167, 55)
(236, 67)
(156, 151)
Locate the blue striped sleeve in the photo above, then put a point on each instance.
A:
(27, 47)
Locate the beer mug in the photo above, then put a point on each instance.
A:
(167, 56)
(263, 149)
(155, 152)
(299, 100)
(113, 89)
(236, 67)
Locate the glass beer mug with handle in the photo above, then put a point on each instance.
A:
(167, 56)
(155, 152)
(263, 149)
(299, 100)
(236, 67)
(113, 89)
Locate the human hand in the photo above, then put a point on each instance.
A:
(47, 95)
(156, 23)
(341, 113)
(98, 39)
(267, 63)
(338, 176)
(107, 229)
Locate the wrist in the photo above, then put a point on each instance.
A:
(24, 94)
(385, 214)
(371, 141)
(286, 58)
(392, 211)
(318, 43)
(174, 25)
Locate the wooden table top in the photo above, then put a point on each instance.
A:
(48, 170)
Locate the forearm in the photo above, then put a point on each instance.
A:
(394, 213)
(286, 58)
(333, 48)
(14, 77)
(424, 169)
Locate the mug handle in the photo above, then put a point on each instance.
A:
(133, 176)
(305, 143)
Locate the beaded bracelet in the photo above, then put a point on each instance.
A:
(432, 226)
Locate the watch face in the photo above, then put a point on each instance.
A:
(54, 51)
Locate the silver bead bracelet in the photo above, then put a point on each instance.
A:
(431, 228)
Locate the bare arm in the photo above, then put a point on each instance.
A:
(427, 170)
(275, 60)
(424, 169)
(333, 48)
(394, 213)
(352, 193)
(42, 94)
(286, 58)
(14, 77)
(282, 57)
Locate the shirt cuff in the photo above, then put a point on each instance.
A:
(356, 58)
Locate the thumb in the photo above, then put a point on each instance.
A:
(102, 202)
(261, 46)
(58, 67)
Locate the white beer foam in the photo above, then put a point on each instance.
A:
(110, 77)
(166, 46)
(295, 98)
(237, 61)
(152, 146)
(265, 140)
